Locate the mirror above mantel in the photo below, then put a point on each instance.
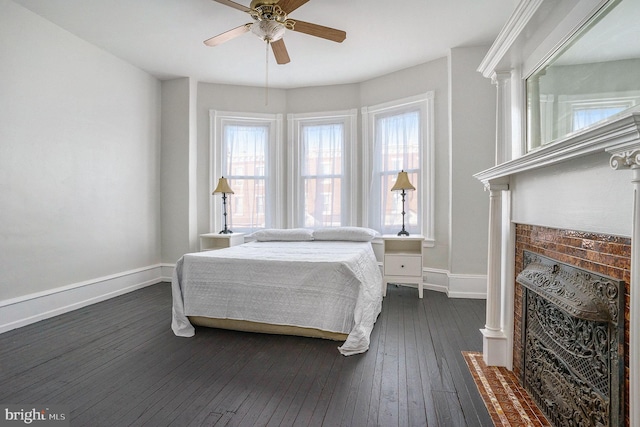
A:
(592, 79)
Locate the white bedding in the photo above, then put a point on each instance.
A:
(327, 285)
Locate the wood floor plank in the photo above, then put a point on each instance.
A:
(388, 409)
(289, 406)
(282, 355)
(117, 363)
(416, 408)
(361, 395)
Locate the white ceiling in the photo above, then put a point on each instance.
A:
(164, 37)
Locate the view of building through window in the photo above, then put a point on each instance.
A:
(244, 153)
(322, 148)
(397, 147)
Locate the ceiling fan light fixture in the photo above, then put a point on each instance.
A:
(269, 31)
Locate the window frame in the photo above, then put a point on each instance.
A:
(348, 118)
(370, 114)
(273, 175)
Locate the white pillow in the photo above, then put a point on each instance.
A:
(352, 234)
(283, 235)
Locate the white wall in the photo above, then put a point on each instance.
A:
(473, 136)
(79, 160)
(177, 206)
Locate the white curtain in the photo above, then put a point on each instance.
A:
(396, 148)
(244, 155)
(321, 150)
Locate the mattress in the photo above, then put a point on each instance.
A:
(315, 285)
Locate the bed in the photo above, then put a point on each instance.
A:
(324, 284)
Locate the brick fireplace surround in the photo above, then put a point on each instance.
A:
(604, 254)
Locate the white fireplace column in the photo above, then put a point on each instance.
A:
(495, 342)
(502, 80)
(631, 160)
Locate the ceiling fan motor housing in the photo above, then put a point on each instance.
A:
(269, 31)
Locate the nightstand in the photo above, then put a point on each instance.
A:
(213, 241)
(402, 262)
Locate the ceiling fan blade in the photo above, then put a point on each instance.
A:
(280, 52)
(228, 35)
(234, 5)
(319, 31)
(290, 5)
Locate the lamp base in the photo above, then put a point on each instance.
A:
(403, 233)
(226, 231)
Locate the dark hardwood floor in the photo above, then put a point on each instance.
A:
(117, 363)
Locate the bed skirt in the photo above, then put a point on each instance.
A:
(265, 328)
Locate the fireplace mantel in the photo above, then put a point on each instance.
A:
(615, 137)
(535, 32)
(619, 141)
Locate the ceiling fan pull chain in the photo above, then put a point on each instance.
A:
(266, 77)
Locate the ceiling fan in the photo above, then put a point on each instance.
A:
(270, 23)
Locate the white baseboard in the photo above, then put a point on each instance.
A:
(468, 286)
(473, 286)
(27, 309)
(167, 272)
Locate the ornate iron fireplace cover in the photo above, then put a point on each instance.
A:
(572, 342)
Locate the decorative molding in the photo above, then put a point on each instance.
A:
(498, 185)
(528, 34)
(614, 136)
(508, 35)
(28, 309)
(625, 160)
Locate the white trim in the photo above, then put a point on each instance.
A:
(27, 309)
(167, 271)
(471, 286)
(508, 36)
(536, 30)
(367, 165)
(468, 286)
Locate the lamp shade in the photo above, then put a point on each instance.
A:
(402, 182)
(223, 187)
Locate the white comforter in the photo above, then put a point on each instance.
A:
(332, 286)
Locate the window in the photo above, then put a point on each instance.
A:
(321, 194)
(586, 114)
(398, 136)
(577, 112)
(244, 149)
